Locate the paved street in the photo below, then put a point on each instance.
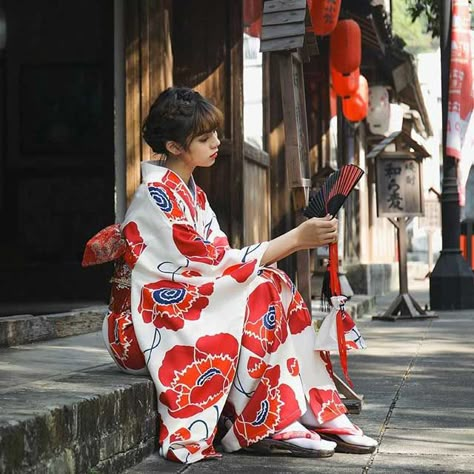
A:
(417, 378)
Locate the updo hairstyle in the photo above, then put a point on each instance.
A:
(179, 114)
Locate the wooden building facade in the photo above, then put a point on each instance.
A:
(76, 81)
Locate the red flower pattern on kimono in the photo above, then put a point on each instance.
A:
(166, 201)
(298, 314)
(290, 410)
(200, 198)
(169, 304)
(198, 377)
(193, 448)
(135, 244)
(123, 341)
(190, 273)
(326, 404)
(293, 366)
(194, 247)
(180, 435)
(261, 415)
(221, 242)
(265, 321)
(241, 271)
(256, 367)
(173, 181)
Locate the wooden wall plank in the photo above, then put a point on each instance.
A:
(145, 44)
(256, 155)
(235, 87)
(148, 69)
(283, 31)
(282, 18)
(208, 50)
(132, 100)
(160, 50)
(282, 5)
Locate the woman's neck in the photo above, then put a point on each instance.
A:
(178, 166)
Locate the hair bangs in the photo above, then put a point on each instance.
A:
(207, 118)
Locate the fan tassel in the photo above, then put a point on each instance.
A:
(332, 287)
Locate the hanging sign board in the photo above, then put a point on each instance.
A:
(431, 220)
(399, 185)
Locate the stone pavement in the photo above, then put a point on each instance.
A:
(66, 409)
(417, 378)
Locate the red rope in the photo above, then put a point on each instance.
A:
(334, 284)
(335, 290)
(341, 342)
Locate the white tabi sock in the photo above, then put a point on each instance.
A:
(308, 443)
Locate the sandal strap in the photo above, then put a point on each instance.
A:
(286, 435)
(354, 431)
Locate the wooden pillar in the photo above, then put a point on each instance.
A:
(296, 153)
(282, 217)
(234, 75)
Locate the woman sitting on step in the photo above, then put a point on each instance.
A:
(225, 336)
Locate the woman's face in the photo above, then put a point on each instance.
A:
(202, 150)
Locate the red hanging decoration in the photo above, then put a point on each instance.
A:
(255, 29)
(324, 15)
(356, 107)
(335, 289)
(252, 11)
(346, 46)
(345, 85)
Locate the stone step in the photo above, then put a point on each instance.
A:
(27, 328)
(357, 306)
(65, 408)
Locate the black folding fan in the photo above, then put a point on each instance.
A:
(330, 198)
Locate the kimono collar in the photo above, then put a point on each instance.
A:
(153, 170)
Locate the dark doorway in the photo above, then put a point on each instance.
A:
(56, 150)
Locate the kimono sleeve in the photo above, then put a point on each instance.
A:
(165, 234)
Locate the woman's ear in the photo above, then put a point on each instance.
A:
(173, 147)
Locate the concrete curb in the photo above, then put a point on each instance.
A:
(26, 328)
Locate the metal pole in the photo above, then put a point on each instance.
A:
(451, 282)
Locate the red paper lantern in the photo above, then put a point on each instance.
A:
(356, 106)
(255, 29)
(252, 11)
(345, 84)
(324, 15)
(346, 46)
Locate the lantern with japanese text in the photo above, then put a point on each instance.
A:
(345, 84)
(324, 15)
(346, 46)
(356, 106)
(378, 117)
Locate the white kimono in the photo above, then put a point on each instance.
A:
(213, 326)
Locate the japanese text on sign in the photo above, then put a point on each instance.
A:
(398, 187)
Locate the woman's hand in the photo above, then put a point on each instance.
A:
(311, 233)
(316, 232)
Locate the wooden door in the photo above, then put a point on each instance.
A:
(57, 158)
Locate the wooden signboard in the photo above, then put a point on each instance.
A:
(399, 186)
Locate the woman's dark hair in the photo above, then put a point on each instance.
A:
(179, 114)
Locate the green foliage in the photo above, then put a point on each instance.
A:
(429, 10)
(413, 29)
